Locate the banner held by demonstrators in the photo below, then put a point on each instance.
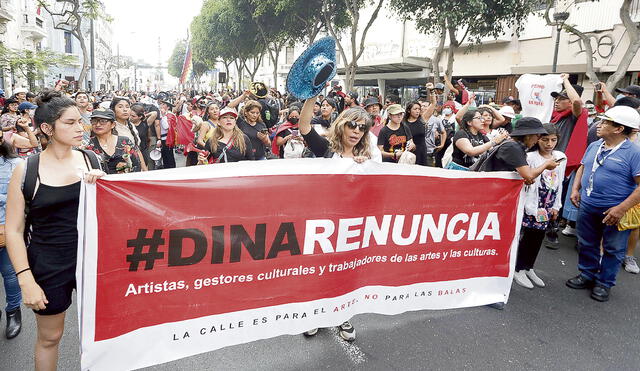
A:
(165, 274)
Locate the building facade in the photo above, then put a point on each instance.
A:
(26, 26)
(397, 57)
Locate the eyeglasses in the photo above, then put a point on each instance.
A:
(100, 122)
(353, 125)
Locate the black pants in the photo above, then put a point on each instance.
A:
(529, 247)
(440, 154)
(168, 161)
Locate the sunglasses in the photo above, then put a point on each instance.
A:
(353, 125)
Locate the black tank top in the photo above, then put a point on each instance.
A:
(53, 246)
(54, 214)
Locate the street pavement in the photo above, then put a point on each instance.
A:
(553, 328)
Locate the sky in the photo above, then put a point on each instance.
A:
(137, 25)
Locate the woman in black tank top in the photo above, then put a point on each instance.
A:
(46, 269)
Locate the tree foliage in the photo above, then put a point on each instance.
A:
(176, 61)
(32, 64)
(465, 20)
(347, 13)
(632, 31)
(68, 15)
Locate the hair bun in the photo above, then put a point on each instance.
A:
(47, 95)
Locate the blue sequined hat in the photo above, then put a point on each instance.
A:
(313, 69)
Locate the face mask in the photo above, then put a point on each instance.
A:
(447, 111)
(294, 120)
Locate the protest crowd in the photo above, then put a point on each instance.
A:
(581, 168)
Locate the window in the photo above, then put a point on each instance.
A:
(68, 42)
(289, 55)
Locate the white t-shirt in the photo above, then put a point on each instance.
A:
(535, 95)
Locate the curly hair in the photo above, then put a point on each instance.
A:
(336, 132)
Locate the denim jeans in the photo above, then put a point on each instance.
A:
(11, 286)
(604, 268)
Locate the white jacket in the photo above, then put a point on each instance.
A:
(531, 191)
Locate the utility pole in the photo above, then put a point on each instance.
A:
(93, 56)
(118, 66)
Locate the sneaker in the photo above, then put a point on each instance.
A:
(631, 265)
(534, 278)
(569, 231)
(311, 332)
(522, 279)
(347, 332)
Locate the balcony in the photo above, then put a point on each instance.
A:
(5, 12)
(33, 27)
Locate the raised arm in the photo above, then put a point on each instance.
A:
(306, 114)
(447, 82)
(465, 108)
(236, 102)
(576, 101)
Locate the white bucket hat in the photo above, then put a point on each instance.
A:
(623, 115)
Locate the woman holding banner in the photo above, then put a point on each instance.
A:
(47, 188)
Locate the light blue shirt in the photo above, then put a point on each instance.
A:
(614, 180)
(6, 169)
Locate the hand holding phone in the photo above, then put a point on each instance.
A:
(559, 160)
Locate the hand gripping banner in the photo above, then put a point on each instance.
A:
(179, 262)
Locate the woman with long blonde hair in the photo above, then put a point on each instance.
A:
(348, 136)
(228, 143)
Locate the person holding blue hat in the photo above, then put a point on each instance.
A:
(348, 136)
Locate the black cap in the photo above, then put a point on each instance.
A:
(106, 114)
(631, 89)
(578, 88)
(629, 102)
(371, 101)
(528, 126)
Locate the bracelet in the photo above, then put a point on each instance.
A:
(22, 271)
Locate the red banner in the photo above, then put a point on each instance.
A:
(195, 259)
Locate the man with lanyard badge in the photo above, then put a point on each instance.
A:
(610, 175)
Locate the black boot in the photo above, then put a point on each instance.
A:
(14, 323)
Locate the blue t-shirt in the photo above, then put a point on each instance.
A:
(614, 180)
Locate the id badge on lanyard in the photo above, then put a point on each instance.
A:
(597, 163)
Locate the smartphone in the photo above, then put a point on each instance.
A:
(598, 86)
(561, 159)
(295, 132)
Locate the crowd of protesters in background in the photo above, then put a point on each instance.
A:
(581, 169)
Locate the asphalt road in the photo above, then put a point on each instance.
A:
(553, 328)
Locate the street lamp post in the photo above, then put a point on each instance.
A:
(559, 19)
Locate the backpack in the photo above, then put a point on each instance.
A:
(270, 113)
(31, 180)
(483, 160)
